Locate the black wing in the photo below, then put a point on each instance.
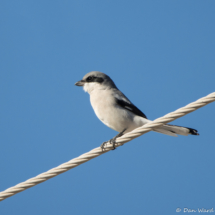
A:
(125, 103)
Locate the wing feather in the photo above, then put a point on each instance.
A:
(123, 102)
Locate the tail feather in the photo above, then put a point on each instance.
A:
(164, 131)
(173, 130)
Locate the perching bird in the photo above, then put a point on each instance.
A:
(116, 111)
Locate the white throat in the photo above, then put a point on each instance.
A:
(89, 87)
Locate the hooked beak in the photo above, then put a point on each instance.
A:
(80, 83)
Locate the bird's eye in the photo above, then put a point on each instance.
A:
(89, 78)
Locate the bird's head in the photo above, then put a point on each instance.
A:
(95, 81)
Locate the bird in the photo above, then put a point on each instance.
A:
(116, 111)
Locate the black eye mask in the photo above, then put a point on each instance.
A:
(94, 79)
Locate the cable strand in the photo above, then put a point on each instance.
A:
(98, 151)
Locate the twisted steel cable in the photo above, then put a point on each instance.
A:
(98, 151)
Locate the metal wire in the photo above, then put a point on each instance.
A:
(98, 151)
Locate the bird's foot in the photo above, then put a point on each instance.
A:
(103, 145)
(113, 140)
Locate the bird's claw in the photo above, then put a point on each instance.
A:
(112, 141)
(103, 145)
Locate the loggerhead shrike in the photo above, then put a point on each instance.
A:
(116, 111)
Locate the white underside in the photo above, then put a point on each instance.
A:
(118, 118)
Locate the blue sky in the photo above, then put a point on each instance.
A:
(159, 53)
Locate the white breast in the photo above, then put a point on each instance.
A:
(111, 114)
